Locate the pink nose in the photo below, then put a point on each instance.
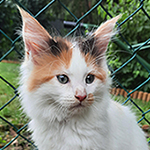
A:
(80, 97)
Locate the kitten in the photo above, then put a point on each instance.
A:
(64, 89)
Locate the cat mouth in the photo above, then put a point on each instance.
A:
(78, 106)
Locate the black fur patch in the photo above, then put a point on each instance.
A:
(93, 47)
(89, 46)
(57, 46)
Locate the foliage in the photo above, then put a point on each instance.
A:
(134, 31)
(10, 24)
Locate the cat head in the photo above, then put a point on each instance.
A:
(61, 74)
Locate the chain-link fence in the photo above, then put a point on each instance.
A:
(136, 51)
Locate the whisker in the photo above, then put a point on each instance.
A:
(95, 107)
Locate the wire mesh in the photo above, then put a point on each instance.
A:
(121, 42)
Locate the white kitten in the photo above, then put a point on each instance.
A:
(65, 92)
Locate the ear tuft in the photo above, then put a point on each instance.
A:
(107, 27)
(35, 37)
(104, 33)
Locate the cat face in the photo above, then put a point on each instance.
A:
(71, 79)
(68, 75)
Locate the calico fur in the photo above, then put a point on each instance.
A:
(59, 120)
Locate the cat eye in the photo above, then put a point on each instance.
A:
(63, 79)
(89, 78)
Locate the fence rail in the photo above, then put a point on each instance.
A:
(122, 42)
(144, 96)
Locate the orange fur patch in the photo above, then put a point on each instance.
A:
(48, 67)
(90, 99)
(99, 72)
(88, 59)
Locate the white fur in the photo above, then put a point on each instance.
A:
(56, 122)
(105, 125)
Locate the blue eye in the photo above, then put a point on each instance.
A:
(63, 79)
(89, 78)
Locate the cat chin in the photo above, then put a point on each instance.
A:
(78, 109)
(71, 112)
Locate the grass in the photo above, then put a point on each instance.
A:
(145, 106)
(12, 112)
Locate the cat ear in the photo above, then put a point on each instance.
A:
(36, 38)
(103, 34)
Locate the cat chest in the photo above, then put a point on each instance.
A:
(77, 138)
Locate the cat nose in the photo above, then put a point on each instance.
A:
(80, 97)
(80, 93)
